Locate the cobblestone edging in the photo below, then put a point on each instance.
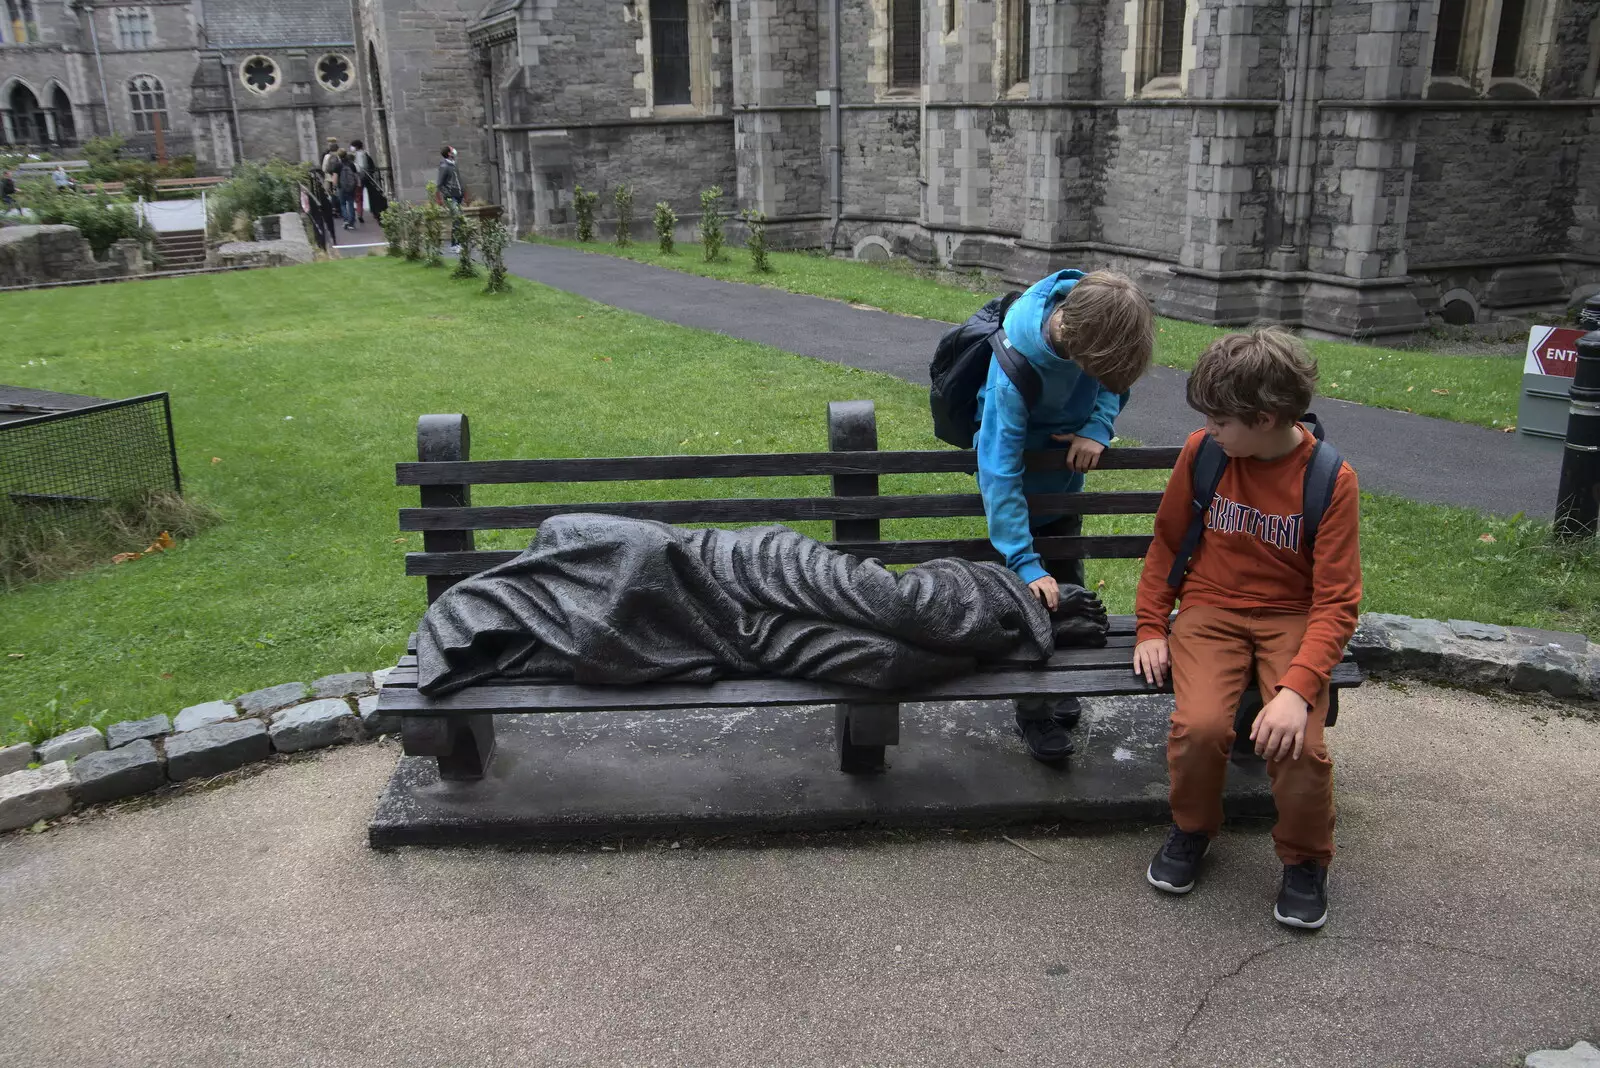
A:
(134, 757)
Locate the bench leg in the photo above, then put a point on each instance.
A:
(861, 732)
(463, 745)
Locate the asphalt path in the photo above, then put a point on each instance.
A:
(1413, 456)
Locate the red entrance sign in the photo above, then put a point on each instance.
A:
(1552, 350)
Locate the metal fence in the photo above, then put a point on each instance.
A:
(67, 467)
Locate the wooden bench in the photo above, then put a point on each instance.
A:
(458, 729)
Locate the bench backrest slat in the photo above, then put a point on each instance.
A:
(748, 465)
(445, 475)
(775, 509)
(1097, 547)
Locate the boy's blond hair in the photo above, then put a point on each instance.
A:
(1106, 327)
(1264, 372)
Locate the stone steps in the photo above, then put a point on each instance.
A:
(182, 249)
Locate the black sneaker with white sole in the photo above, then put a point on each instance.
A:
(1177, 862)
(1044, 739)
(1303, 897)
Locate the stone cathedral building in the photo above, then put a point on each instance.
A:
(221, 79)
(1351, 166)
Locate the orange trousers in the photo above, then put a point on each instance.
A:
(1216, 654)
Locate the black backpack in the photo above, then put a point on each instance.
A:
(961, 366)
(1210, 461)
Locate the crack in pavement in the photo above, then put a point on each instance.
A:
(1311, 940)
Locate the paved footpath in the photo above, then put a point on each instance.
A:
(1414, 456)
(249, 924)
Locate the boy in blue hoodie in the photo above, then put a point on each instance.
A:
(1090, 338)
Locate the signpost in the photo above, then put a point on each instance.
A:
(1547, 371)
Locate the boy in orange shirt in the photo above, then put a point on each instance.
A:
(1270, 596)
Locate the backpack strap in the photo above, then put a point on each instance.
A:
(1017, 368)
(1209, 463)
(1322, 472)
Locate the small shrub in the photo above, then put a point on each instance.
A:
(756, 238)
(413, 229)
(583, 203)
(466, 236)
(624, 201)
(666, 222)
(433, 229)
(394, 228)
(711, 223)
(256, 189)
(493, 237)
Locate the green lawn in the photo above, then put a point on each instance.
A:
(1468, 389)
(295, 391)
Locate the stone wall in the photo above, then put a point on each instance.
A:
(1493, 183)
(432, 89)
(35, 255)
(1146, 168)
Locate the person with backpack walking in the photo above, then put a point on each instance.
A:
(330, 169)
(349, 189)
(1049, 368)
(1257, 539)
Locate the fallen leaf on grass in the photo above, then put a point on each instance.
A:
(399, 541)
(1442, 392)
(1508, 429)
(1410, 388)
(216, 459)
(16, 656)
(1487, 538)
(162, 543)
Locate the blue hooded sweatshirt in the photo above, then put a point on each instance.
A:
(1072, 402)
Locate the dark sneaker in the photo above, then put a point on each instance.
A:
(1044, 739)
(1303, 898)
(1066, 711)
(1176, 863)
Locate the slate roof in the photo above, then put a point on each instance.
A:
(235, 23)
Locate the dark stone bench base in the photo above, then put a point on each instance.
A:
(592, 775)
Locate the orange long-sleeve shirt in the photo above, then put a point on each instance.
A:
(1250, 556)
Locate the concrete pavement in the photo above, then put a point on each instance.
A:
(1425, 459)
(250, 925)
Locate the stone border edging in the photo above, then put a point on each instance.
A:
(86, 767)
(1459, 652)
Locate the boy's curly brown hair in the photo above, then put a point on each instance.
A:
(1264, 372)
(1106, 327)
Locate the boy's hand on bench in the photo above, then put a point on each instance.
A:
(1083, 454)
(1047, 590)
(1152, 659)
(1280, 729)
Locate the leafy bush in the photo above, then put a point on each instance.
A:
(666, 222)
(756, 237)
(103, 220)
(711, 223)
(256, 189)
(624, 201)
(413, 232)
(583, 203)
(493, 237)
(466, 237)
(433, 228)
(393, 221)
